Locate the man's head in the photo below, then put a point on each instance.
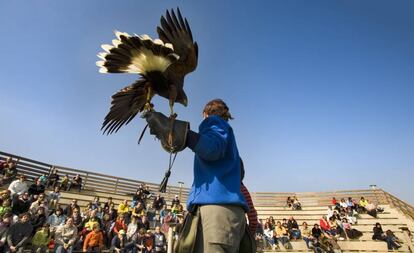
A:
(24, 217)
(217, 107)
(157, 229)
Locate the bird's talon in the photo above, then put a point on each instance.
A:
(173, 116)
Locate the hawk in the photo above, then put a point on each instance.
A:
(162, 65)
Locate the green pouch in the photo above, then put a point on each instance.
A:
(187, 238)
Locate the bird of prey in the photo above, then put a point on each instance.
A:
(161, 63)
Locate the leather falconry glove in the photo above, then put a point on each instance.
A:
(171, 132)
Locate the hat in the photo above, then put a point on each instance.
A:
(121, 232)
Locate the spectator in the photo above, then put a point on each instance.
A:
(334, 229)
(5, 224)
(289, 202)
(64, 183)
(175, 201)
(296, 205)
(324, 224)
(21, 204)
(328, 244)
(41, 201)
(41, 239)
(330, 212)
(9, 173)
(351, 215)
(95, 203)
(91, 221)
(108, 203)
(65, 237)
(316, 231)
(39, 219)
(119, 225)
(5, 208)
(94, 240)
(36, 189)
(334, 201)
(381, 236)
(282, 235)
(293, 228)
(350, 232)
(132, 228)
(158, 203)
(107, 225)
(5, 163)
(270, 236)
(362, 203)
(43, 179)
(75, 182)
(371, 209)
(119, 243)
(18, 186)
(306, 235)
(144, 223)
(69, 208)
(149, 242)
(19, 233)
(54, 197)
(123, 208)
(76, 219)
(53, 179)
(140, 241)
(138, 210)
(160, 242)
(56, 219)
(5, 194)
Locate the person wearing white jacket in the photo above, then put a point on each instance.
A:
(18, 187)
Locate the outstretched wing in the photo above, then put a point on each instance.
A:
(135, 54)
(177, 32)
(126, 103)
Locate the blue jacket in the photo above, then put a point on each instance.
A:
(216, 166)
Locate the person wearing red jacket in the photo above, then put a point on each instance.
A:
(94, 240)
(324, 223)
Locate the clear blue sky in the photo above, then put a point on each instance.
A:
(322, 91)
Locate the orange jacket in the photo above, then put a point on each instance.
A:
(93, 239)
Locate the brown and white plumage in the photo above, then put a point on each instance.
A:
(161, 63)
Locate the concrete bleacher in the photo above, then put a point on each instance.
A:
(397, 214)
(315, 205)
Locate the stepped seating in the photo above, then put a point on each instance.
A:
(313, 208)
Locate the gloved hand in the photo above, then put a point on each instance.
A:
(171, 132)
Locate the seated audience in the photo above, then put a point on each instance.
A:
(94, 240)
(21, 204)
(56, 219)
(282, 235)
(350, 232)
(53, 179)
(18, 187)
(381, 236)
(293, 228)
(9, 173)
(41, 239)
(296, 205)
(54, 197)
(75, 182)
(307, 235)
(160, 242)
(36, 189)
(65, 237)
(120, 244)
(19, 234)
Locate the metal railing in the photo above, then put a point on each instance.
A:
(91, 181)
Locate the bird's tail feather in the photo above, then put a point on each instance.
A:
(135, 54)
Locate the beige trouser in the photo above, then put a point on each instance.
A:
(221, 229)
